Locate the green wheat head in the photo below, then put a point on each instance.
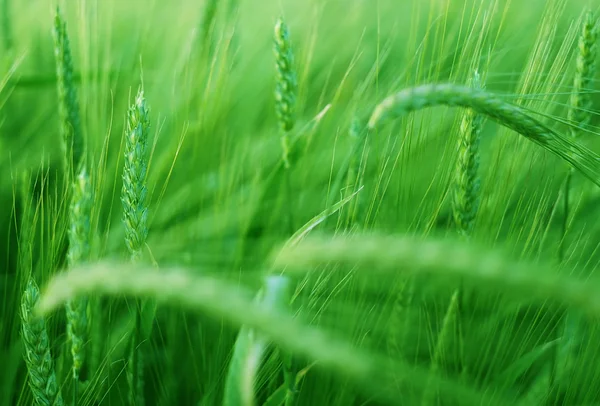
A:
(579, 113)
(71, 129)
(466, 193)
(42, 379)
(286, 84)
(133, 196)
(79, 251)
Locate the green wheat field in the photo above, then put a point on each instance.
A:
(299, 202)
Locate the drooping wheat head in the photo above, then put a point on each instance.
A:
(509, 115)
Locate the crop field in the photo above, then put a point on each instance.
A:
(289, 203)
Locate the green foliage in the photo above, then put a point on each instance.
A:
(431, 257)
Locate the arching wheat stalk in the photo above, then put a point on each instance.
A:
(509, 115)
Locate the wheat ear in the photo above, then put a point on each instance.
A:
(580, 101)
(511, 116)
(466, 189)
(79, 250)
(42, 379)
(286, 85)
(71, 130)
(134, 192)
(464, 210)
(135, 217)
(579, 116)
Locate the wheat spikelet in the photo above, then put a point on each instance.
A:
(482, 102)
(42, 379)
(71, 130)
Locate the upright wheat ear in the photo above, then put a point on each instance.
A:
(79, 250)
(482, 102)
(135, 217)
(38, 358)
(133, 196)
(466, 192)
(286, 86)
(72, 133)
(581, 103)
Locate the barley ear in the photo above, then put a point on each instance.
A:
(71, 130)
(286, 85)
(79, 250)
(42, 379)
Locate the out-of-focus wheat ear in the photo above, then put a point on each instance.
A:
(466, 187)
(133, 195)
(71, 129)
(42, 378)
(79, 251)
(579, 117)
(286, 86)
(579, 112)
(580, 101)
(135, 218)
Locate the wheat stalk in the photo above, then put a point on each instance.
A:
(226, 300)
(511, 116)
(42, 379)
(442, 258)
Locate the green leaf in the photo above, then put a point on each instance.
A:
(250, 347)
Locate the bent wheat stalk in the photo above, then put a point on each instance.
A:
(226, 300)
(388, 254)
(509, 115)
